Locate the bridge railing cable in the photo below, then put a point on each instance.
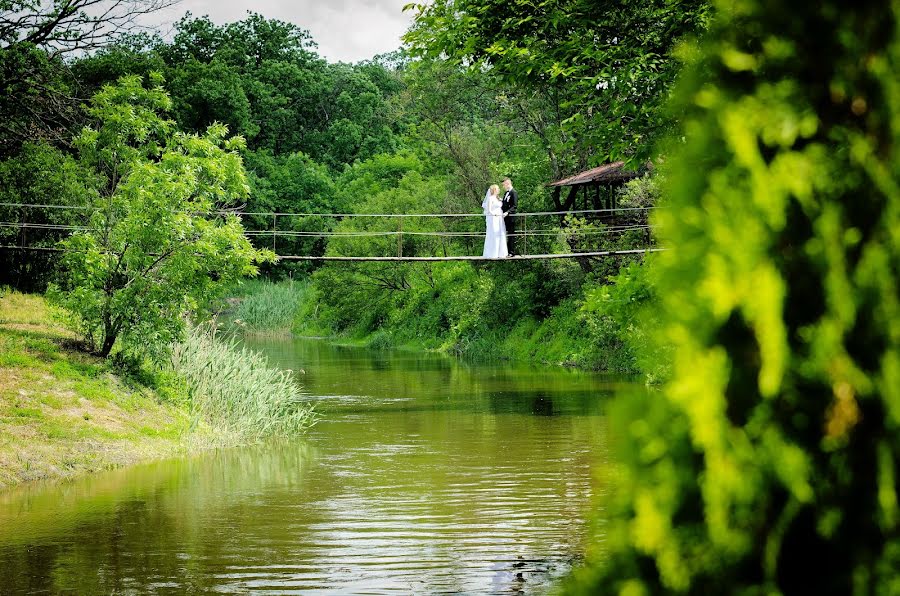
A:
(237, 211)
(535, 232)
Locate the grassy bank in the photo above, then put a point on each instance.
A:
(64, 412)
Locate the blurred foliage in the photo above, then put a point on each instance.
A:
(769, 463)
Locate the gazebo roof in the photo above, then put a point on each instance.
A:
(606, 173)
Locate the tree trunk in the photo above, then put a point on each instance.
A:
(109, 339)
(110, 334)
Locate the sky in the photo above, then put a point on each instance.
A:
(345, 30)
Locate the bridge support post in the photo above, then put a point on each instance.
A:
(400, 237)
(525, 236)
(274, 227)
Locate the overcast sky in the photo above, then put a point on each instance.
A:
(345, 30)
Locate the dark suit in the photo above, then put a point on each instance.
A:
(509, 204)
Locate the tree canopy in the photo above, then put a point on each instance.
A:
(608, 66)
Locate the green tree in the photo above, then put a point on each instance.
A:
(357, 119)
(263, 77)
(770, 462)
(212, 92)
(40, 175)
(454, 119)
(246, 44)
(135, 54)
(38, 101)
(608, 66)
(157, 246)
(289, 184)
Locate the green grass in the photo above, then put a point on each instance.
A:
(234, 389)
(16, 360)
(27, 413)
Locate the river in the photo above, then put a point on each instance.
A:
(425, 475)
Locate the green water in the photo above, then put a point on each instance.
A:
(425, 475)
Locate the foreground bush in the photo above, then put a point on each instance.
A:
(234, 389)
(770, 462)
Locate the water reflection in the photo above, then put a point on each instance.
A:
(139, 528)
(426, 475)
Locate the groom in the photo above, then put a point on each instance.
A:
(510, 202)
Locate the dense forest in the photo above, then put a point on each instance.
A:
(415, 131)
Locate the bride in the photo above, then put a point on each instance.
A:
(495, 240)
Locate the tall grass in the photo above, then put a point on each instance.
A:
(268, 307)
(233, 388)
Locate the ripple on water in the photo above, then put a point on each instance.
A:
(469, 488)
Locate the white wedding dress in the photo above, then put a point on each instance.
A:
(495, 239)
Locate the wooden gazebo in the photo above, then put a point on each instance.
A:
(598, 188)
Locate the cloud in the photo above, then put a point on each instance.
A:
(345, 30)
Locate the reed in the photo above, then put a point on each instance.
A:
(268, 307)
(236, 391)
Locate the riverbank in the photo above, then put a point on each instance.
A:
(64, 412)
(568, 334)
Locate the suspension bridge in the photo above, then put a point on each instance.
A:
(613, 222)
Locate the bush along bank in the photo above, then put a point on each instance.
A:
(548, 313)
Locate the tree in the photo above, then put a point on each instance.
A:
(211, 92)
(159, 244)
(262, 76)
(61, 26)
(608, 66)
(40, 175)
(770, 462)
(40, 99)
(38, 102)
(246, 44)
(289, 184)
(454, 113)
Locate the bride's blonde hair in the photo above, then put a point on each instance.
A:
(495, 190)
